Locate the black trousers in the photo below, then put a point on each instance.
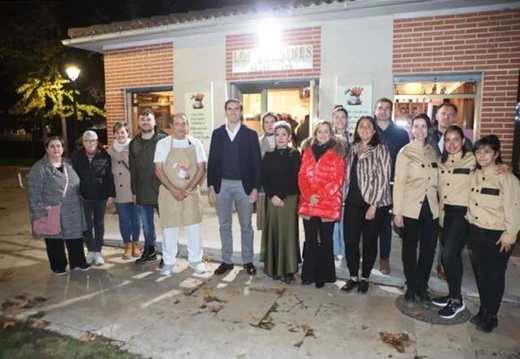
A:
(318, 260)
(453, 238)
(356, 229)
(95, 215)
(489, 266)
(56, 253)
(423, 231)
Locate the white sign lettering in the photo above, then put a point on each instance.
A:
(286, 58)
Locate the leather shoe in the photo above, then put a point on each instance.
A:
(223, 268)
(306, 282)
(288, 278)
(250, 268)
(363, 286)
(351, 284)
(319, 284)
(476, 318)
(487, 324)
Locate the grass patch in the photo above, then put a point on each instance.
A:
(23, 340)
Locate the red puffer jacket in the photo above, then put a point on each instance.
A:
(324, 179)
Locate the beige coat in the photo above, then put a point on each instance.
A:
(415, 178)
(121, 173)
(494, 203)
(454, 177)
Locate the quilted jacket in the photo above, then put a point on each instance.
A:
(323, 178)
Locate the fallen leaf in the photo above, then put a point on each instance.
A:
(87, 337)
(206, 258)
(298, 344)
(210, 298)
(40, 324)
(9, 324)
(398, 340)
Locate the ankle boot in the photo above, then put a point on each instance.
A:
(128, 251)
(136, 252)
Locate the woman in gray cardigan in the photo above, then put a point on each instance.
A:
(47, 181)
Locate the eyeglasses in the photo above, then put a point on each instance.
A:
(90, 141)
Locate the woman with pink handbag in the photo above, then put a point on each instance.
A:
(55, 206)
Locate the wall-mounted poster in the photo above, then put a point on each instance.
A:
(198, 109)
(357, 99)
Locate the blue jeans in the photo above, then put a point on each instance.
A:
(129, 222)
(338, 239)
(95, 215)
(146, 215)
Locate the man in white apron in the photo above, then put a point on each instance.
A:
(180, 165)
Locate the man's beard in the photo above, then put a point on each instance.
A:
(148, 130)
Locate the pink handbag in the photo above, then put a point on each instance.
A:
(51, 223)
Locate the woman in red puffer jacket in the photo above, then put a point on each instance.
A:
(320, 180)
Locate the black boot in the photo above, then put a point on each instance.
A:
(487, 323)
(148, 255)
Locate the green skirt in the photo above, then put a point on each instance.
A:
(280, 250)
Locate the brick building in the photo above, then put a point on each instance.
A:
(305, 56)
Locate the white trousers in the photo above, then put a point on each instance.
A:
(170, 244)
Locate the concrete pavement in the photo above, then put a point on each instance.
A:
(235, 316)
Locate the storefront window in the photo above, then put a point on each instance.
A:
(160, 100)
(424, 94)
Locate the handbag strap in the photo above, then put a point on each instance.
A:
(66, 180)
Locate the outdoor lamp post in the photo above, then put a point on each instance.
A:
(73, 73)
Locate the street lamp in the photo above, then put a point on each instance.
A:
(73, 74)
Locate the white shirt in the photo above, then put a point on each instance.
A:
(232, 134)
(164, 145)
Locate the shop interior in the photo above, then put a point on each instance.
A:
(414, 97)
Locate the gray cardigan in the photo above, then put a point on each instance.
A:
(45, 185)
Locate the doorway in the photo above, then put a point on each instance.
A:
(289, 99)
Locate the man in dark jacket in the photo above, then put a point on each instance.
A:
(234, 165)
(144, 183)
(395, 138)
(444, 118)
(94, 168)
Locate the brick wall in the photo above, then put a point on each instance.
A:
(131, 67)
(481, 41)
(303, 36)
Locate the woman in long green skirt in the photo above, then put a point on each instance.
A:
(280, 249)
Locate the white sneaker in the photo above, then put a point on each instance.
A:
(167, 270)
(91, 256)
(198, 267)
(98, 259)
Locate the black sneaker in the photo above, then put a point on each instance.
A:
(149, 254)
(351, 284)
(59, 271)
(452, 309)
(441, 301)
(83, 267)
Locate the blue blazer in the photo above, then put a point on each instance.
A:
(250, 160)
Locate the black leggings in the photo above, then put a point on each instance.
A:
(56, 253)
(453, 238)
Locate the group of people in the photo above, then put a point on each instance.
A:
(343, 190)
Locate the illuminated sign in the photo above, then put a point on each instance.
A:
(297, 57)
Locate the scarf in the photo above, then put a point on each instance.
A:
(120, 147)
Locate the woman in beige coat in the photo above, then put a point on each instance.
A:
(129, 223)
(416, 208)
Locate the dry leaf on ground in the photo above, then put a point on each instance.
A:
(398, 340)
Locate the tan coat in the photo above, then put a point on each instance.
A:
(494, 203)
(454, 177)
(415, 178)
(121, 173)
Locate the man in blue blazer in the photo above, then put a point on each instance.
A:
(234, 165)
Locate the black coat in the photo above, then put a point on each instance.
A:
(96, 179)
